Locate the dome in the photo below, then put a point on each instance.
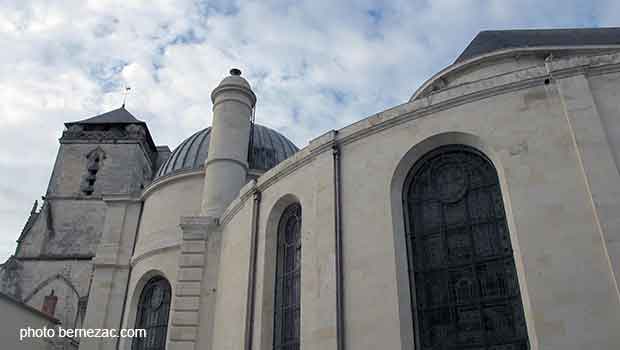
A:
(269, 148)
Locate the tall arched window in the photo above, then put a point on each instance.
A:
(288, 286)
(152, 315)
(464, 287)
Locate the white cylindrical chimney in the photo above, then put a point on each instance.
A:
(227, 162)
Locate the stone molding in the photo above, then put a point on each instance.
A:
(131, 133)
(436, 102)
(244, 193)
(195, 226)
(210, 161)
(512, 52)
(120, 198)
(174, 177)
(143, 255)
(228, 88)
(117, 132)
(185, 317)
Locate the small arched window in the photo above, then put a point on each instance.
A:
(464, 287)
(288, 282)
(152, 314)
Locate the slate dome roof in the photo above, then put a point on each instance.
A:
(269, 148)
(494, 40)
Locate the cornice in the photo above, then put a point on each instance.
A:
(439, 101)
(148, 253)
(128, 134)
(513, 52)
(235, 206)
(153, 186)
(121, 198)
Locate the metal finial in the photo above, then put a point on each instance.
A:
(235, 71)
(125, 93)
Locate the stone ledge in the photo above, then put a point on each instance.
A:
(194, 235)
(185, 318)
(193, 247)
(192, 260)
(188, 289)
(183, 333)
(187, 303)
(190, 274)
(196, 225)
(181, 345)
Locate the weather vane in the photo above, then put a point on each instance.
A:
(125, 93)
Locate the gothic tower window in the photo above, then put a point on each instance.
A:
(152, 315)
(94, 160)
(288, 286)
(464, 287)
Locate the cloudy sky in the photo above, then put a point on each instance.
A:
(314, 65)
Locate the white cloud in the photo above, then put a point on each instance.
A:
(314, 65)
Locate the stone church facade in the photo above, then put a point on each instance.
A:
(480, 214)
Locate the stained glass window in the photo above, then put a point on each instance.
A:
(288, 286)
(465, 292)
(152, 315)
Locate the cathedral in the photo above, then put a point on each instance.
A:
(483, 213)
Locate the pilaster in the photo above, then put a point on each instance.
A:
(111, 270)
(597, 163)
(186, 305)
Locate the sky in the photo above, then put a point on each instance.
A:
(314, 66)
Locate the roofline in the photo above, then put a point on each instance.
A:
(458, 66)
(182, 174)
(67, 124)
(149, 137)
(29, 308)
(277, 141)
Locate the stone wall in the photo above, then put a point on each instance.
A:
(552, 139)
(56, 250)
(546, 140)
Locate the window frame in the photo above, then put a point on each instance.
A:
(282, 272)
(425, 161)
(141, 309)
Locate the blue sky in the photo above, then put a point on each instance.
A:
(314, 65)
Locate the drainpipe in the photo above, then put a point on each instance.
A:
(549, 65)
(338, 238)
(249, 310)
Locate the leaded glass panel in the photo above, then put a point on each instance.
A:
(152, 315)
(288, 283)
(465, 291)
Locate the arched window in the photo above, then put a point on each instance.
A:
(464, 287)
(152, 315)
(288, 286)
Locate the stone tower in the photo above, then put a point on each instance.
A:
(111, 153)
(107, 155)
(226, 167)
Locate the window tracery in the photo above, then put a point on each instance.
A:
(288, 282)
(465, 292)
(152, 315)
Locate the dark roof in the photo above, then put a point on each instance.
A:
(117, 116)
(269, 149)
(495, 40)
